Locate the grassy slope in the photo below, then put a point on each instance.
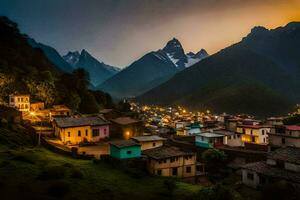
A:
(20, 169)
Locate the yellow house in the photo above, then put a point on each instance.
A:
(149, 142)
(72, 130)
(20, 102)
(171, 161)
(257, 134)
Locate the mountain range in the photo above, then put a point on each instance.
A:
(259, 75)
(151, 70)
(99, 71)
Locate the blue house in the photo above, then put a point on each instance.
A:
(209, 140)
(125, 149)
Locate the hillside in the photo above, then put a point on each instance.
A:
(53, 176)
(24, 69)
(52, 55)
(221, 82)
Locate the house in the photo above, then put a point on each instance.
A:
(192, 129)
(149, 142)
(255, 134)
(274, 121)
(125, 149)
(59, 111)
(37, 106)
(171, 161)
(230, 138)
(20, 101)
(126, 127)
(209, 140)
(281, 164)
(110, 113)
(288, 135)
(81, 129)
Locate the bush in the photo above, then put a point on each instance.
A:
(26, 157)
(58, 189)
(76, 173)
(54, 172)
(170, 185)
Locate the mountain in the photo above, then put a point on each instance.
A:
(99, 71)
(259, 75)
(151, 70)
(52, 55)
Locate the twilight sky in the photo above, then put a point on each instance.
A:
(120, 31)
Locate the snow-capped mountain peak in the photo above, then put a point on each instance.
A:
(72, 58)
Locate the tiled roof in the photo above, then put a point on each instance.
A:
(125, 120)
(224, 132)
(268, 170)
(148, 138)
(292, 127)
(165, 152)
(210, 135)
(288, 154)
(124, 143)
(65, 122)
(254, 126)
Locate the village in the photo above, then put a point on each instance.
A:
(169, 141)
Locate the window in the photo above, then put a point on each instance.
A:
(95, 132)
(174, 171)
(86, 132)
(283, 140)
(250, 176)
(128, 152)
(22, 99)
(154, 144)
(172, 160)
(188, 169)
(159, 172)
(290, 132)
(12, 99)
(165, 161)
(18, 99)
(104, 130)
(251, 131)
(69, 134)
(79, 133)
(263, 132)
(26, 106)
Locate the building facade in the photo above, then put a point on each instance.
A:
(288, 135)
(124, 149)
(72, 130)
(256, 134)
(171, 161)
(20, 102)
(209, 140)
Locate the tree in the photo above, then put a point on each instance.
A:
(215, 162)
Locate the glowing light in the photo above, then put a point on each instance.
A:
(32, 113)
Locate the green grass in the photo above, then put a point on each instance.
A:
(20, 177)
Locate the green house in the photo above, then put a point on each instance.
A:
(125, 149)
(209, 140)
